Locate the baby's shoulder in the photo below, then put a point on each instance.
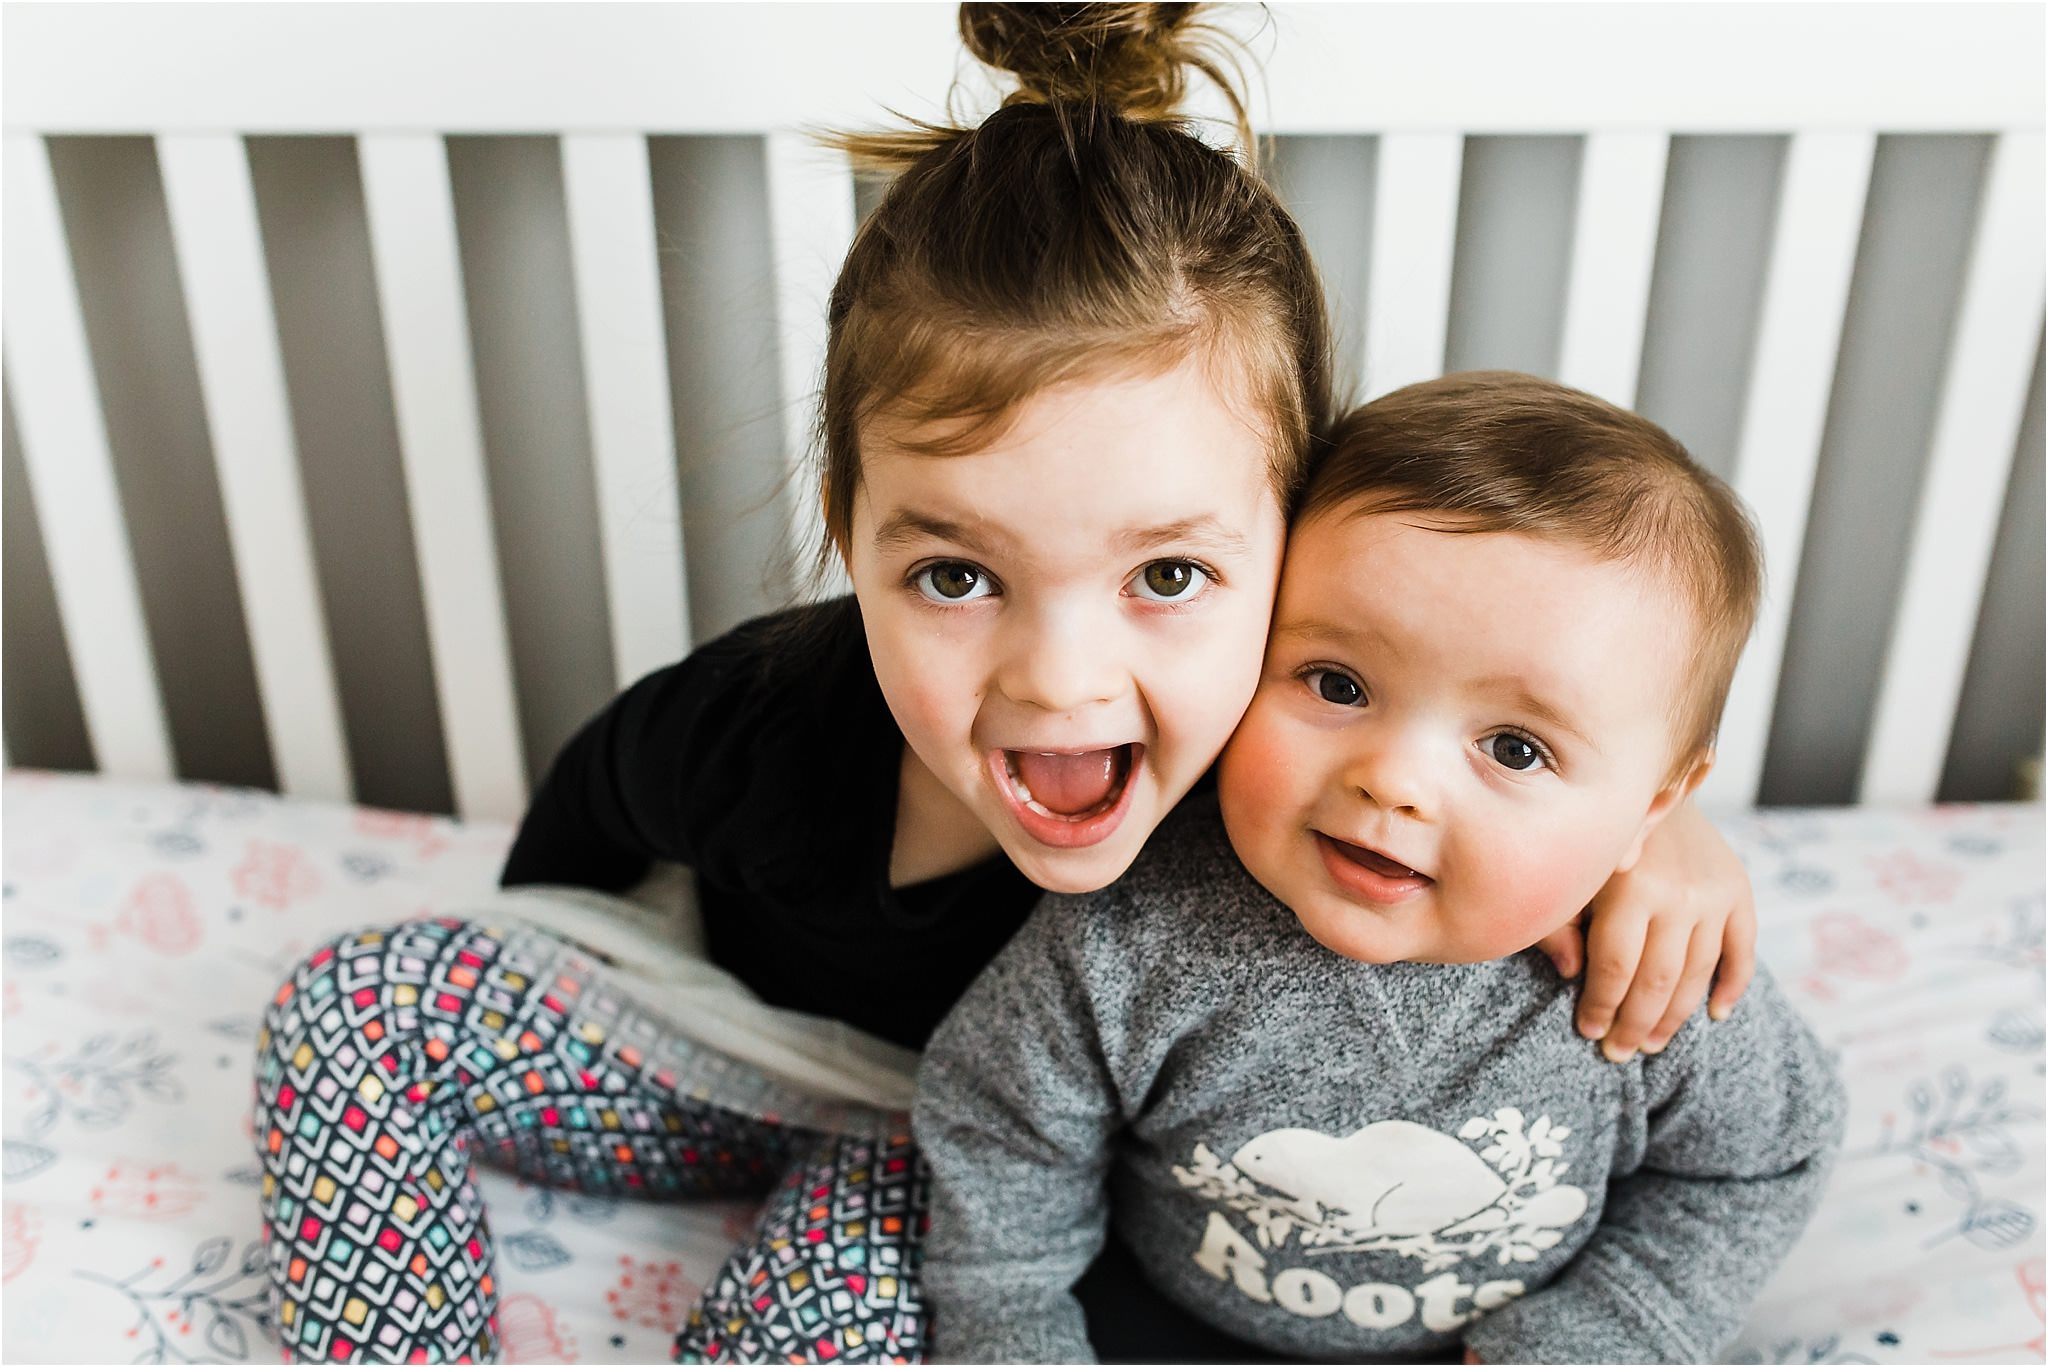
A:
(1185, 900)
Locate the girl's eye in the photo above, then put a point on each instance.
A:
(953, 581)
(1333, 687)
(1511, 751)
(1169, 581)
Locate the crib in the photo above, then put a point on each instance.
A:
(386, 385)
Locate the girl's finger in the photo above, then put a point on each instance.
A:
(1702, 952)
(1738, 960)
(1566, 948)
(1656, 977)
(1614, 944)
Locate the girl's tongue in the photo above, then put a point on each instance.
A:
(1071, 784)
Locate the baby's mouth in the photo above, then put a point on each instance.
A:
(1367, 874)
(1068, 786)
(1372, 859)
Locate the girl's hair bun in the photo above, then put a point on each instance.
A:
(1134, 59)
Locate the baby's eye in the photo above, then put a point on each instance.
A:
(1333, 687)
(1519, 753)
(953, 581)
(1169, 581)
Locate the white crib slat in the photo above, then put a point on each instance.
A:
(433, 389)
(241, 372)
(1414, 236)
(605, 178)
(1791, 373)
(1983, 395)
(71, 471)
(1621, 195)
(810, 216)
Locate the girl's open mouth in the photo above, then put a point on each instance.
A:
(1068, 798)
(1368, 874)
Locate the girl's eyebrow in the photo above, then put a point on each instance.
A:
(1203, 528)
(907, 526)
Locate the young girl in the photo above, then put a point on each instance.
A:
(1077, 363)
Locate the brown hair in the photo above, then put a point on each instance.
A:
(1079, 230)
(1497, 451)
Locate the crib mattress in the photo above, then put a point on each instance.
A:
(145, 924)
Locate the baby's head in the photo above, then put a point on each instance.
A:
(1507, 623)
(1075, 359)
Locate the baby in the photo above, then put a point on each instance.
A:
(1301, 1062)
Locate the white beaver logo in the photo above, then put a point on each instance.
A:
(1403, 1188)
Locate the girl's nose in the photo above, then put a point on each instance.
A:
(1062, 663)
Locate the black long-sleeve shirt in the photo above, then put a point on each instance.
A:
(768, 762)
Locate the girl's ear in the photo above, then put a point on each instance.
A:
(1666, 801)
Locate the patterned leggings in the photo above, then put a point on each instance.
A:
(387, 1055)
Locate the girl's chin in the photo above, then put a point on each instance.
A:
(1088, 869)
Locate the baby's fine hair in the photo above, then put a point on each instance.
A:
(1499, 451)
(1080, 230)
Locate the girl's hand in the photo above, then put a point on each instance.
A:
(1658, 932)
(1471, 1356)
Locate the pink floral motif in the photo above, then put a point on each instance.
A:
(651, 1295)
(528, 1330)
(1848, 947)
(425, 834)
(159, 913)
(156, 1192)
(20, 1229)
(275, 875)
(10, 998)
(1907, 878)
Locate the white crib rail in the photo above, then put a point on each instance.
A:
(64, 445)
(433, 387)
(1621, 193)
(810, 213)
(625, 371)
(604, 78)
(1976, 427)
(1820, 213)
(1414, 239)
(241, 375)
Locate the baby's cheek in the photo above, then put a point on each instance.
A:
(1254, 785)
(1538, 886)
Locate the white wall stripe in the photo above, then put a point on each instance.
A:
(1414, 237)
(1791, 373)
(71, 471)
(433, 390)
(810, 215)
(1976, 427)
(1614, 247)
(605, 179)
(241, 372)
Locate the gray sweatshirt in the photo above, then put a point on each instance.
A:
(1342, 1160)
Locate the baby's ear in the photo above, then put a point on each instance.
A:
(1667, 799)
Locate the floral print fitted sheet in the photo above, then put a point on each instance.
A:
(143, 926)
